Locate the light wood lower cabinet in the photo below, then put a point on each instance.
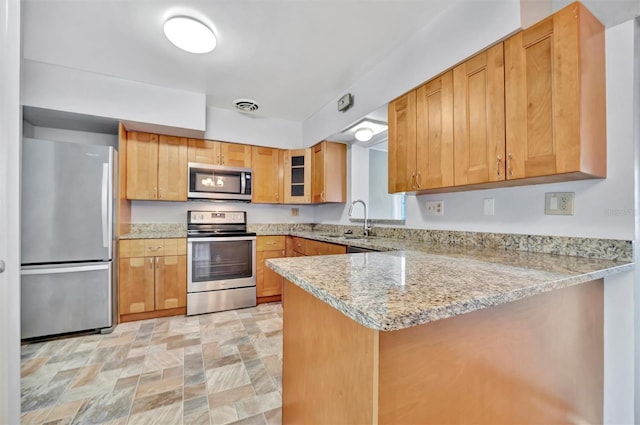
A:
(502, 364)
(297, 246)
(152, 278)
(268, 282)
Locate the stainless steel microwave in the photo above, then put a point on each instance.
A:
(219, 182)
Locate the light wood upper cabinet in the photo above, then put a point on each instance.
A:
(434, 142)
(172, 168)
(329, 169)
(478, 118)
(402, 143)
(268, 175)
(297, 176)
(142, 165)
(156, 167)
(555, 97)
(219, 153)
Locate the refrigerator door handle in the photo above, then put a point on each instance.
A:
(54, 270)
(105, 205)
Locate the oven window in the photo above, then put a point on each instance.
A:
(221, 260)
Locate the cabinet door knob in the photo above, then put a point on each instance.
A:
(419, 180)
(413, 180)
(498, 161)
(157, 262)
(151, 263)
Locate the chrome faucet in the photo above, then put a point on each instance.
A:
(366, 226)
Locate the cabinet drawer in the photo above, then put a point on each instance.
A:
(132, 248)
(323, 248)
(175, 246)
(152, 247)
(299, 245)
(270, 243)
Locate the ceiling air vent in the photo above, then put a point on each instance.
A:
(246, 105)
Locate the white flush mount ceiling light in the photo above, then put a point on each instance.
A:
(365, 129)
(189, 34)
(364, 134)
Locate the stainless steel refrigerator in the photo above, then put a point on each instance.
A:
(68, 279)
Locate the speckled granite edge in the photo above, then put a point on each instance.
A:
(413, 315)
(279, 228)
(609, 249)
(156, 231)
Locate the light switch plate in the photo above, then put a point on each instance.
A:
(295, 212)
(559, 203)
(435, 208)
(490, 206)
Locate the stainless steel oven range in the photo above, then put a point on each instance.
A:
(221, 261)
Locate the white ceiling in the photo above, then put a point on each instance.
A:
(292, 56)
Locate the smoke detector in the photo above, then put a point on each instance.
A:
(246, 105)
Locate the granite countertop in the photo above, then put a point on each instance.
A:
(395, 290)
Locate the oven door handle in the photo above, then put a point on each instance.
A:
(222, 239)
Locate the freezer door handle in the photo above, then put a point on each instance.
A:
(105, 205)
(53, 270)
(2, 266)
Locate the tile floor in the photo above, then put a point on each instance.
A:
(218, 368)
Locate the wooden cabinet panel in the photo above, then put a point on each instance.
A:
(298, 245)
(268, 282)
(235, 155)
(270, 243)
(172, 168)
(175, 246)
(434, 134)
(203, 151)
(329, 169)
(323, 248)
(297, 176)
(136, 285)
(402, 143)
(170, 282)
(479, 127)
(555, 97)
(267, 164)
(142, 165)
(153, 278)
(219, 153)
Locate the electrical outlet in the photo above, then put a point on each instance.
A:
(559, 203)
(490, 206)
(435, 207)
(295, 212)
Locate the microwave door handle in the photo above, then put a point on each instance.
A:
(243, 183)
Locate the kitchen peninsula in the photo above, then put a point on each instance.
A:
(439, 336)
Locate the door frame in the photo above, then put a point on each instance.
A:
(10, 136)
